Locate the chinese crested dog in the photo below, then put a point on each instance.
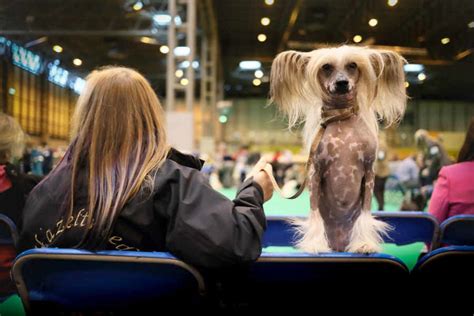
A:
(354, 87)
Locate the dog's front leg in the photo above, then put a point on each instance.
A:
(310, 232)
(366, 231)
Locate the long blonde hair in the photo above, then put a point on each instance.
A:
(118, 133)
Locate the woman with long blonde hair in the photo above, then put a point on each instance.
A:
(120, 186)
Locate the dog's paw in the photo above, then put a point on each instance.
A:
(366, 248)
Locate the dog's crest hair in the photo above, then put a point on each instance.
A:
(381, 86)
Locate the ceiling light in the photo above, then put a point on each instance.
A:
(256, 82)
(77, 62)
(164, 49)
(269, 2)
(184, 81)
(223, 119)
(470, 25)
(262, 37)
(147, 40)
(357, 39)
(413, 67)
(407, 84)
(258, 74)
(373, 22)
(250, 64)
(57, 49)
(181, 51)
(421, 76)
(392, 3)
(179, 73)
(138, 6)
(445, 40)
(265, 21)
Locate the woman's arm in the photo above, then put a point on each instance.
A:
(207, 229)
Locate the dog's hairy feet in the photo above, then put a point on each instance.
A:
(367, 248)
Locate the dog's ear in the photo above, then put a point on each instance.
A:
(288, 84)
(390, 92)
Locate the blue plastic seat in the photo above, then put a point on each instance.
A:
(8, 231)
(458, 230)
(78, 280)
(286, 278)
(408, 227)
(447, 274)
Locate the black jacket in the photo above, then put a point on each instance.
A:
(183, 215)
(13, 200)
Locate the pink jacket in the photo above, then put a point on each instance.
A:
(454, 191)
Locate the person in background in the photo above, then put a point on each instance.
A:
(47, 154)
(14, 188)
(453, 193)
(121, 187)
(382, 171)
(434, 157)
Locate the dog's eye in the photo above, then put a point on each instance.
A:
(327, 67)
(352, 66)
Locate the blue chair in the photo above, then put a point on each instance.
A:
(408, 227)
(79, 280)
(458, 230)
(286, 278)
(447, 273)
(8, 231)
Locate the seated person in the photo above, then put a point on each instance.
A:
(121, 187)
(14, 188)
(453, 193)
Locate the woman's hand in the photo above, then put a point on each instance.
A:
(262, 178)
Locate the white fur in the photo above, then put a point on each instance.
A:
(310, 234)
(366, 235)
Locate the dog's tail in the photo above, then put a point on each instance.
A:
(310, 233)
(367, 234)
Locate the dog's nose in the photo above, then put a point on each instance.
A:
(342, 86)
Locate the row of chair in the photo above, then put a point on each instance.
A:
(408, 227)
(78, 280)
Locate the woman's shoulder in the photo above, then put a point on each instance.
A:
(458, 169)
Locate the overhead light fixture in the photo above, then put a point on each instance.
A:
(223, 119)
(357, 39)
(258, 74)
(269, 2)
(164, 19)
(256, 82)
(262, 38)
(471, 25)
(373, 22)
(137, 6)
(407, 84)
(179, 73)
(250, 65)
(77, 62)
(421, 76)
(164, 49)
(182, 51)
(58, 49)
(184, 82)
(148, 40)
(265, 21)
(413, 68)
(392, 3)
(445, 40)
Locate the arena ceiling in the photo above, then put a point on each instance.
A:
(110, 32)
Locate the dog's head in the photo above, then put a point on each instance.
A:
(338, 77)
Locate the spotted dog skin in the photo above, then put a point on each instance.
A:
(342, 178)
